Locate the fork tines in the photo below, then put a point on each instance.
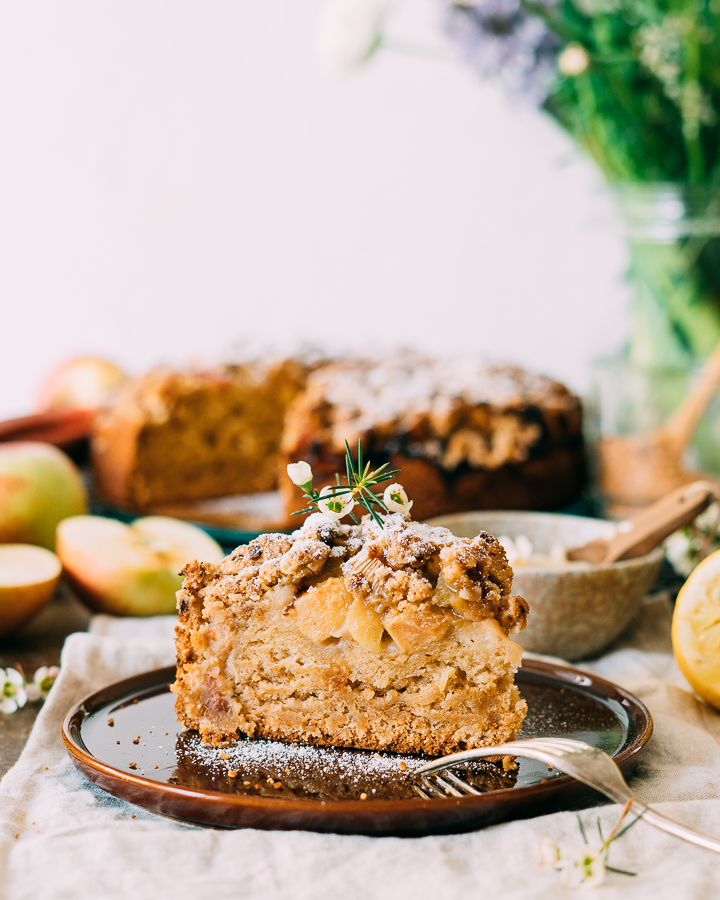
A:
(446, 785)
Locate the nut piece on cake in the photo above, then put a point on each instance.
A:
(383, 638)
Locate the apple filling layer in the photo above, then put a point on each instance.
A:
(393, 638)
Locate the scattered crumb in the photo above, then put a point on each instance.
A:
(232, 773)
(278, 784)
(167, 732)
(17, 836)
(257, 786)
(136, 740)
(26, 730)
(403, 765)
(111, 722)
(132, 817)
(363, 796)
(133, 765)
(509, 764)
(47, 769)
(157, 767)
(32, 823)
(117, 742)
(135, 700)
(246, 782)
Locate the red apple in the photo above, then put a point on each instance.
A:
(130, 570)
(82, 383)
(28, 578)
(39, 486)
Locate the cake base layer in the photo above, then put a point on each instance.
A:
(246, 669)
(174, 436)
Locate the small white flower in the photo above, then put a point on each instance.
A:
(335, 506)
(573, 60)
(300, 474)
(349, 32)
(582, 867)
(396, 499)
(708, 520)
(12, 690)
(548, 854)
(681, 553)
(43, 680)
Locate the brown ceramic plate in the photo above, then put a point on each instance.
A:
(127, 740)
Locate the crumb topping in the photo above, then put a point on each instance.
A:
(452, 411)
(410, 575)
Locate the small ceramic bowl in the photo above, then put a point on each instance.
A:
(575, 610)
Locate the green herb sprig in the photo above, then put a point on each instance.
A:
(338, 500)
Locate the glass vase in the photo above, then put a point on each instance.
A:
(673, 232)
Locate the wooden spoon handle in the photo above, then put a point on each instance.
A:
(61, 427)
(680, 426)
(644, 531)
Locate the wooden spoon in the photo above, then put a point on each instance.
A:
(637, 469)
(60, 427)
(639, 535)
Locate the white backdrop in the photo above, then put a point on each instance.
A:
(179, 174)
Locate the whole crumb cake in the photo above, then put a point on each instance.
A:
(391, 638)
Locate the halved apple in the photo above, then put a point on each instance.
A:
(28, 578)
(130, 570)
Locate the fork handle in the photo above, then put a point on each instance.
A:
(687, 834)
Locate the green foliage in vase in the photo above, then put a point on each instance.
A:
(636, 82)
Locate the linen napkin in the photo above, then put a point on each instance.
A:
(61, 837)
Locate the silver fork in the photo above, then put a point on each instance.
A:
(588, 764)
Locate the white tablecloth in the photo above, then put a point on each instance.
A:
(60, 837)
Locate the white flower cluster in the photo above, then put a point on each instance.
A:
(339, 501)
(579, 867)
(15, 691)
(689, 546)
(661, 52)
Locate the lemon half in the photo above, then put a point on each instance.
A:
(696, 629)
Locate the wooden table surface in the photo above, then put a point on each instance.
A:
(37, 644)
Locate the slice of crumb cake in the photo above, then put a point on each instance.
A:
(391, 638)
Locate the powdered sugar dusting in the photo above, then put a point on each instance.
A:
(276, 769)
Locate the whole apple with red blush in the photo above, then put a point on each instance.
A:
(82, 383)
(39, 487)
